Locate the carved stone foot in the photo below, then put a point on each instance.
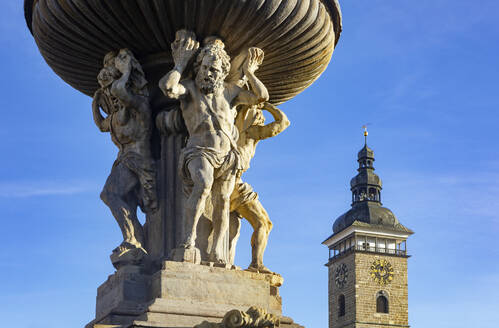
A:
(128, 254)
(259, 268)
(217, 261)
(191, 255)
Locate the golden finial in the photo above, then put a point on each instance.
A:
(365, 133)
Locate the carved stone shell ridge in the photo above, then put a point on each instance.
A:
(297, 36)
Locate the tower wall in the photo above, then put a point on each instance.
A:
(348, 290)
(361, 291)
(366, 290)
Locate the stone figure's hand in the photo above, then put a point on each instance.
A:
(253, 60)
(184, 47)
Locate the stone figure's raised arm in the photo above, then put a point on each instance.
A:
(259, 92)
(120, 88)
(183, 49)
(280, 124)
(101, 122)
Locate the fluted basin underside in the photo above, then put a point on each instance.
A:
(297, 36)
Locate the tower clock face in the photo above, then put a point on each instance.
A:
(341, 275)
(382, 272)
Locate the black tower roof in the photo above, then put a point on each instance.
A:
(366, 199)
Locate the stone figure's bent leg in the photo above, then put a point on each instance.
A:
(259, 219)
(201, 172)
(234, 232)
(221, 191)
(120, 183)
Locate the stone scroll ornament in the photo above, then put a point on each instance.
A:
(210, 162)
(123, 97)
(253, 318)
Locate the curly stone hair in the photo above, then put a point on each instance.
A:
(214, 47)
(137, 81)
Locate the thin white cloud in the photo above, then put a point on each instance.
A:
(43, 188)
(449, 195)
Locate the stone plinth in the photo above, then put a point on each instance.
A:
(183, 295)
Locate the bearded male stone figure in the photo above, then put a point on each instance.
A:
(244, 202)
(210, 160)
(123, 96)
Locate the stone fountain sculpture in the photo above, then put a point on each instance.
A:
(180, 86)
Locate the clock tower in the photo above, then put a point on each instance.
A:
(367, 258)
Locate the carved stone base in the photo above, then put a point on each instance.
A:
(123, 296)
(191, 255)
(184, 295)
(134, 256)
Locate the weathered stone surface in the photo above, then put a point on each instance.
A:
(124, 98)
(253, 318)
(183, 295)
(192, 255)
(244, 202)
(200, 289)
(126, 291)
(210, 160)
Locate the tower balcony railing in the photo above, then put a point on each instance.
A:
(370, 249)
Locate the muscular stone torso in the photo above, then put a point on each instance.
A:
(208, 118)
(130, 129)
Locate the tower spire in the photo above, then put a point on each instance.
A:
(366, 185)
(365, 134)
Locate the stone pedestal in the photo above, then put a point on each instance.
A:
(183, 294)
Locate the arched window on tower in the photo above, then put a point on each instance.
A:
(382, 302)
(341, 305)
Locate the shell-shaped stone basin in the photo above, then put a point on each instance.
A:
(297, 36)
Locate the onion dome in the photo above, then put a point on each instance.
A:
(366, 199)
(297, 36)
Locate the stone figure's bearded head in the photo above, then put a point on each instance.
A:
(212, 66)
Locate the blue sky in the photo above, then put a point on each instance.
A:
(424, 74)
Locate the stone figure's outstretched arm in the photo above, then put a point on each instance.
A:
(272, 129)
(259, 92)
(183, 49)
(101, 122)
